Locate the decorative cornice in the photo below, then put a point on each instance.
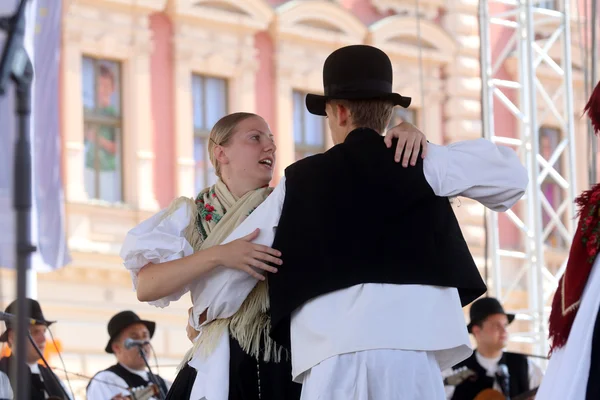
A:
(122, 6)
(296, 59)
(317, 22)
(246, 15)
(229, 50)
(110, 30)
(399, 37)
(427, 8)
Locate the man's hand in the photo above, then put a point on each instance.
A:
(119, 397)
(410, 139)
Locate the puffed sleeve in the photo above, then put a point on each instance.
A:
(157, 240)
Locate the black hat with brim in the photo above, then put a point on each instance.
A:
(34, 313)
(358, 72)
(483, 308)
(123, 320)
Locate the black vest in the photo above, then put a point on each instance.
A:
(132, 380)
(353, 215)
(517, 368)
(37, 388)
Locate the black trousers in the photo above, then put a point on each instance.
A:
(593, 384)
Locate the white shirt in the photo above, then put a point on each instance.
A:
(6, 392)
(491, 367)
(429, 318)
(106, 384)
(410, 317)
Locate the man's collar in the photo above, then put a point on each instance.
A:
(35, 368)
(360, 134)
(135, 371)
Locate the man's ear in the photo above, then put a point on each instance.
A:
(115, 346)
(342, 113)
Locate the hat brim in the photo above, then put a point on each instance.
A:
(511, 318)
(4, 336)
(315, 104)
(149, 324)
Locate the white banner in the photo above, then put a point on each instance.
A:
(42, 42)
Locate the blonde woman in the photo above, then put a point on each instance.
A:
(180, 248)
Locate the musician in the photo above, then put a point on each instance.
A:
(116, 382)
(43, 380)
(489, 325)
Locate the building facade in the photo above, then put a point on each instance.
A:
(143, 81)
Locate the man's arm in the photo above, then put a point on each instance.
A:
(478, 169)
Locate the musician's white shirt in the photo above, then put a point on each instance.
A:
(106, 384)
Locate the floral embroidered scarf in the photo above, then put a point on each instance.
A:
(219, 212)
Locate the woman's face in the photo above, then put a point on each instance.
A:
(250, 153)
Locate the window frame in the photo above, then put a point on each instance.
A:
(90, 118)
(303, 147)
(204, 133)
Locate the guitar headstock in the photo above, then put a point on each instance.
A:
(145, 393)
(458, 376)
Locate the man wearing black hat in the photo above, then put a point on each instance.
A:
(43, 381)
(130, 372)
(492, 367)
(375, 268)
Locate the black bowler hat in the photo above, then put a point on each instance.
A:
(34, 311)
(122, 320)
(356, 72)
(483, 308)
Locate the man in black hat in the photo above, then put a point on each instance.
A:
(127, 334)
(492, 367)
(43, 381)
(375, 268)
(369, 297)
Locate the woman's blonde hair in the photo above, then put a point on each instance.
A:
(222, 132)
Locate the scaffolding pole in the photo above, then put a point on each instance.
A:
(533, 32)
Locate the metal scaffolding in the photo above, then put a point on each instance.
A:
(540, 38)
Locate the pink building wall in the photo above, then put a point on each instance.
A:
(163, 92)
(162, 98)
(265, 79)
